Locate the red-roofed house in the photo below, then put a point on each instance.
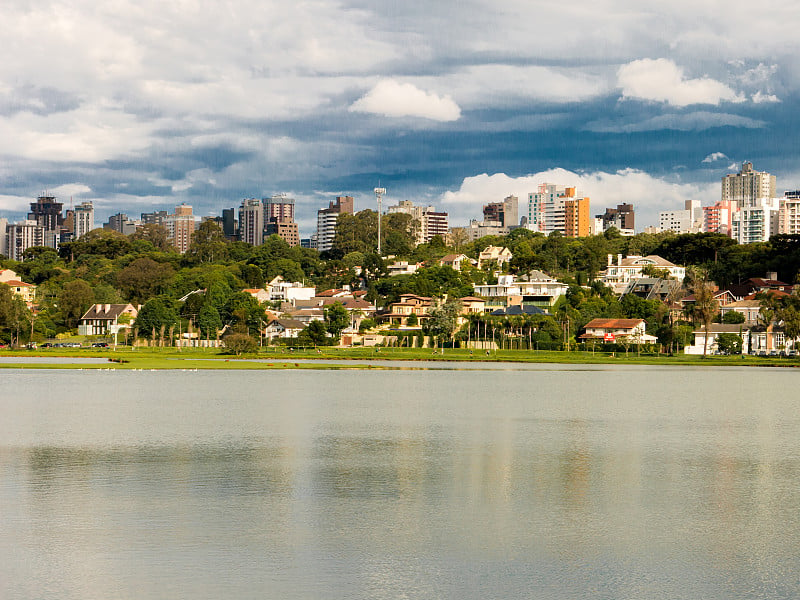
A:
(611, 330)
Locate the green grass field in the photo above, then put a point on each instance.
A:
(281, 358)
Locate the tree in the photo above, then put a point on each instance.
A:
(729, 343)
(315, 333)
(337, 318)
(705, 305)
(155, 234)
(155, 316)
(208, 243)
(74, 300)
(733, 317)
(144, 278)
(240, 343)
(209, 321)
(443, 320)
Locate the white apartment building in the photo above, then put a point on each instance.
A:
(83, 222)
(327, 218)
(21, 236)
(688, 220)
(751, 224)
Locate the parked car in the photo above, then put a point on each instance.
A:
(100, 345)
(46, 345)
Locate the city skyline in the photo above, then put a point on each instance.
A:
(146, 106)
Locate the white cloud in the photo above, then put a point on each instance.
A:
(661, 80)
(395, 99)
(759, 98)
(714, 157)
(648, 194)
(71, 189)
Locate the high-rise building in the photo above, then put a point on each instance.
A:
(82, 219)
(789, 213)
(622, 217)
(506, 213)
(251, 221)
(229, 224)
(47, 213)
(4, 237)
(546, 210)
(747, 186)
(576, 217)
(326, 221)
(428, 222)
(718, 217)
(757, 223)
(180, 227)
(279, 208)
(286, 230)
(155, 218)
(279, 219)
(23, 235)
(120, 223)
(688, 220)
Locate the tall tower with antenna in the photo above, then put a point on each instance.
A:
(379, 192)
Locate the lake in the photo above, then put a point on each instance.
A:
(547, 481)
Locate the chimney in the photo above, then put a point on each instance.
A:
(619, 260)
(108, 308)
(610, 260)
(772, 275)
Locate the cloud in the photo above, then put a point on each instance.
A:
(661, 80)
(70, 189)
(714, 157)
(394, 99)
(694, 121)
(759, 98)
(647, 193)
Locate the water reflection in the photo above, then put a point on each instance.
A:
(467, 485)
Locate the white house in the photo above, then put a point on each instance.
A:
(618, 275)
(614, 330)
(103, 319)
(496, 255)
(536, 288)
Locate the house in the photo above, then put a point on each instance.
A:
(399, 312)
(535, 289)
(618, 275)
(471, 305)
(103, 319)
(27, 291)
(612, 330)
(402, 267)
(283, 328)
(756, 339)
(653, 288)
(454, 261)
(305, 315)
(723, 298)
(259, 294)
(518, 310)
(495, 255)
(754, 285)
(280, 290)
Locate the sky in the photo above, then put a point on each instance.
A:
(141, 106)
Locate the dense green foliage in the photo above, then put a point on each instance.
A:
(201, 290)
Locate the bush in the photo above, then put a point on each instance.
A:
(239, 343)
(733, 318)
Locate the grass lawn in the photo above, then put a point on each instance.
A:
(281, 358)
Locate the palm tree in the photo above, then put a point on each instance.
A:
(705, 304)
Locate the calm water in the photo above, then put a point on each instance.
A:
(540, 483)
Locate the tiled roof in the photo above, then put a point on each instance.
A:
(613, 323)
